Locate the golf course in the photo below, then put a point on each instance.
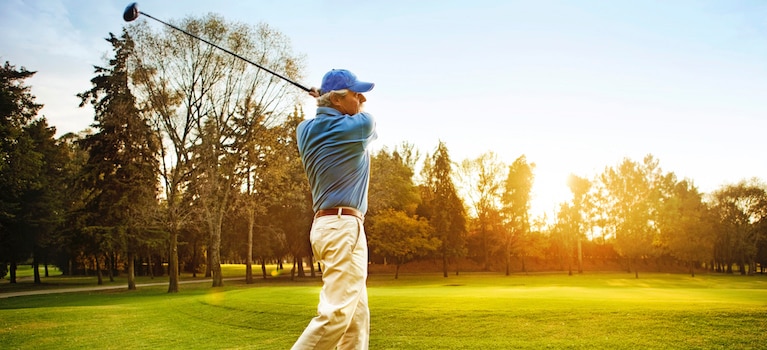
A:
(416, 311)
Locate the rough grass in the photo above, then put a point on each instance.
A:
(417, 311)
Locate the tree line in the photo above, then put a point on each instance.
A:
(191, 162)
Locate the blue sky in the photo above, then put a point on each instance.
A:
(575, 86)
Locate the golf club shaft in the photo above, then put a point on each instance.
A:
(229, 52)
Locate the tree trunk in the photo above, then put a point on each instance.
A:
(485, 251)
(508, 264)
(263, 267)
(131, 271)
(508, 257)
(97, 266)
(396, 271)
(524, 269)
(173, 263)
(194, 258)
(580, 257)
(149, 267)
(636, 269)
(110, 262)
(215, 256)
(13, 271)
(444, 264)
(301, 272)
(249, 263)
(311, 265)
(36, 269)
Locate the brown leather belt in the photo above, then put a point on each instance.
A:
(340, 211)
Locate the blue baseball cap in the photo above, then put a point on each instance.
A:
(339, 79)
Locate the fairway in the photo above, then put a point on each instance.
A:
(471, 311)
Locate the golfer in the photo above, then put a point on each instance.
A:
(333, 148)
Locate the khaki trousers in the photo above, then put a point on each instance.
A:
(343, 318)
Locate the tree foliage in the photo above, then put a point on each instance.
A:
(395, 232)
(635, 196)
(740, 211)
(29, 160)
(482, 180)
(516, 207)
(402, 237)
(442, 206)
(206, 104)
(121, 171)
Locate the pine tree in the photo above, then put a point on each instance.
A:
(122, 167)
(20, 164)
(443, 207)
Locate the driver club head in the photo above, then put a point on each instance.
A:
(131, 12)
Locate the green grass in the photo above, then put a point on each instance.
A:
(471, 311)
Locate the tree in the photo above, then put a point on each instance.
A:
(635, 196)
(686, 226)
(284, 190)
(580, 188)
(42, 207)
(515, 208)
(564, 234)
(394, 231)
(392, 189)
(443, 207)
(740, 211)
(482, 180)
(73, 197)
(20, 163)
(197, 94)
(402, 237)
(123, 161)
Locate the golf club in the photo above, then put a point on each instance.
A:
(132, 12)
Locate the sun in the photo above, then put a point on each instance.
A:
(548, 193)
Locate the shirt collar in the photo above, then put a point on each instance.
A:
(328, 111)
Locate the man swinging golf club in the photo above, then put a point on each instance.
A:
(333, 148)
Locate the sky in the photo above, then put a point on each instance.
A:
(574, 86)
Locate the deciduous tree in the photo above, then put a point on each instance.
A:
(197, 94)
(516, 206)
(686, 226)
(634, 194)
(482, 180)
(402, 237)
(740, 210)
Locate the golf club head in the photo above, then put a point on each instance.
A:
(131, 12)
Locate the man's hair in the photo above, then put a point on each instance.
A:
(324, 99)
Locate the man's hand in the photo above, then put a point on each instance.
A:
(315, 92)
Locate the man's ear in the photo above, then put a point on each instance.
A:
(334, 98)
